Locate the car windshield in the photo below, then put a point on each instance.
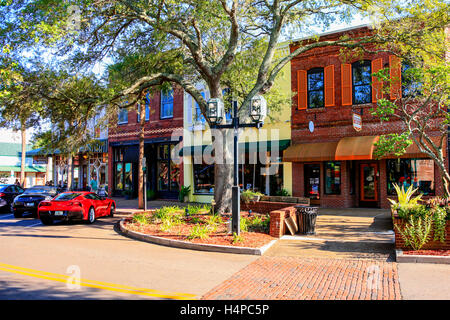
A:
(3, 186)
(45, 190)
(67, 196)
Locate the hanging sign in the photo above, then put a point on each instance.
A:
(357, 122)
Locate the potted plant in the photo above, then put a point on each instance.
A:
(184, 193)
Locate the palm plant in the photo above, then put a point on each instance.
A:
(405, 197)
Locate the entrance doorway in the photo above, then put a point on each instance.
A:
(369, 185)
(312, 182)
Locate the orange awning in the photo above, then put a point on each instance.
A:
(356, 148)
(323, 151)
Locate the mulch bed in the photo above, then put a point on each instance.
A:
(427, 252)
(219, 237)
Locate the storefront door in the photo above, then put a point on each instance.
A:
(312, 182)
(369, 184)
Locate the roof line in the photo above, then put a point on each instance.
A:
(369, 25)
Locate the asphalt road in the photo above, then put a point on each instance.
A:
(82, 261)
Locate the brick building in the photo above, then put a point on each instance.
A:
(163, 116)
(333, 132)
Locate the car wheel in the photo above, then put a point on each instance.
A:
(91, 215)
(112, 210)
(17, 214)
(47, 221)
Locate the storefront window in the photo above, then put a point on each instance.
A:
(128, 176)
(312, 181)
(332, 177)
(119, 176)
(168, 171)
(203, 178)
(163, 175)
(406, 172)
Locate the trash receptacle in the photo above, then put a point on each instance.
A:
(306, 219)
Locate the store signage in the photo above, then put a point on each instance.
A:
(357, 122)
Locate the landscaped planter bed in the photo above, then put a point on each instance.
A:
(443, 253)
(183, 230)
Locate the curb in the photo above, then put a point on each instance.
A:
(409, 258)
(193, 246)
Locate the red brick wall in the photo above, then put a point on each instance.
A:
(277, 217)
(265, 207)
(155, 127)
(431, 245)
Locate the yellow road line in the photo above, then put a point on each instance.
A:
(96, 284)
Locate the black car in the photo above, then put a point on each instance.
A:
(7, 194)
(28, 201)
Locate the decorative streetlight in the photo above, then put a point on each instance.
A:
(258, 109)
(214, 112)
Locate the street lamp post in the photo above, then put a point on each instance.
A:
(215, 112)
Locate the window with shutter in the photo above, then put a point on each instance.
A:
(395, 74)
(377, 84)
(302, 89)
(346, 84)
(329, 86)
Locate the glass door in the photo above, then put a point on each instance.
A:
(369, 182)
(312, 181)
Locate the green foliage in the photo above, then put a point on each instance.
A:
(237, 238)
(283, 193)
(199, 232)
(243, 224)
(439, 223)
(141, 218)
(249, 195)
(416, 231)
(198, 209)
(258, 224)
(184, 191)
(405, 198)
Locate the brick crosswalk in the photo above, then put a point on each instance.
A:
(293, 278)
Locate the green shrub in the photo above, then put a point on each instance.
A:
(416, 231)
(197, 209)
(237, 238)
(141, 218)
(259, 224)
(184, 191)
(282, 193)
(199, 232)
(249, 195)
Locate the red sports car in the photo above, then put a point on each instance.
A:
(75, 206)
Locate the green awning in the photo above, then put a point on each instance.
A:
(27, 168)
(282, 145)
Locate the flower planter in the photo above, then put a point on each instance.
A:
(430, 245)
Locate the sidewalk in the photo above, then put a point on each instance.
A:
(131, 206)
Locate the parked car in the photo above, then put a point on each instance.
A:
(28, 201)
(7, 194)
(81, 205)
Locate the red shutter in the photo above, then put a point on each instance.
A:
(377, 84)
(395, 73)
(302, 88)
(329, 85)
(346, 84)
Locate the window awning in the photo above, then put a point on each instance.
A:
(322, 151)
(356, 148)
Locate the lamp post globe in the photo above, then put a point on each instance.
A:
(215, 110)
(258, 109)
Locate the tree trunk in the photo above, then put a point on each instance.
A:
(24, 150)
(223, 172)
(141, 188)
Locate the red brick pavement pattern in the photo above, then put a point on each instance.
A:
(288, 278)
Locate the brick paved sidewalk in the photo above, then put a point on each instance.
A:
(292, 278)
